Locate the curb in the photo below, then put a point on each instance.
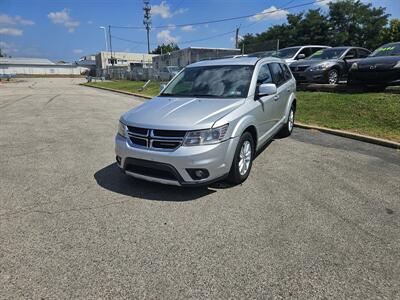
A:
(351, 135)
(354, 136)
(117, 91)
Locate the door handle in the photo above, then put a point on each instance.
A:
(289, 90)
(276, 97)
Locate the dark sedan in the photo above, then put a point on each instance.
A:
(382, 67)
(329, 65)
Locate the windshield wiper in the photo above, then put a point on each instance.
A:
(205, 96)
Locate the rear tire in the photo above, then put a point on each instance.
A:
(243, 159)
(288, 127)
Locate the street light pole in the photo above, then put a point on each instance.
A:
(105, 36)
(105, 40)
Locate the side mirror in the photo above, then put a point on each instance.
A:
(266, 89)
(301, 56)
(162, 86)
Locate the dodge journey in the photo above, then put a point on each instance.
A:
(208, 122)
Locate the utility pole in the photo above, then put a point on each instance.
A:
(237, 38)
(147, 21)
(109, 35)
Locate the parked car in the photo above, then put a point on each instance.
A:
(382, 67)
(167, 73)
(328, 65)
(293, 54)
(208, 122)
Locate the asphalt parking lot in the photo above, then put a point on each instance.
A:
(319, 216)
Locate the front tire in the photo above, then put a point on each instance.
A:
(243, 159)
(333, 76)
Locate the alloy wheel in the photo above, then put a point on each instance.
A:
(291, 120)
(333, 77)
(245, 158)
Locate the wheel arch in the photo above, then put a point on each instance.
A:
(253, 131)
(246, 124)
(337, 68)
(292, 101)
(294, 104)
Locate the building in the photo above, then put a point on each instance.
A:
(38, 67)
(88, 61)
(125, 60)
(184, 57)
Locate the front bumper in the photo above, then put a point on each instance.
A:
(311, 76)
(171, 167)
(375, 77)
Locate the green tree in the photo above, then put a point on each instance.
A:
(392, 33)
(346, 23)
(312, 28)
(354, 23)
(165, 48)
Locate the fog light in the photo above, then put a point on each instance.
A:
(198, 174)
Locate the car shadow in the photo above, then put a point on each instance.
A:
(112, 179)
(265, 146)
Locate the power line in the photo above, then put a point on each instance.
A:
(129, 41)
(225, 19)
(181, 43)
(138, 43)
(208, 38)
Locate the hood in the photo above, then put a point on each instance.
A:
(378, 63)
(180, 113)
(380, 60)
(312, 62)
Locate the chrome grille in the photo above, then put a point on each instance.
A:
(156, 139)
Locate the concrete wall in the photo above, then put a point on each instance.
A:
(41, 69)
(184, 57)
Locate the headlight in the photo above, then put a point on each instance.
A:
(205, 137)
(319, 67)
(354, 66)
(397, 65)
(121, 129)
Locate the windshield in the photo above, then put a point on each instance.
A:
(328, 54)
(387, 50)
(287, 52)
(211, 81)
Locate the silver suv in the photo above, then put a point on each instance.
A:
(208, 122)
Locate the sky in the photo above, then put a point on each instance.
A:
(68, 29)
